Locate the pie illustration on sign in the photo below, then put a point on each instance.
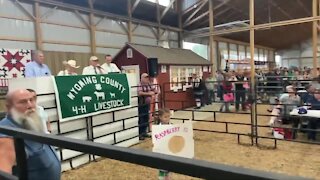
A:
(176, 144)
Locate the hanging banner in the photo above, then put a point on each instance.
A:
(176, 140)
(88, 95)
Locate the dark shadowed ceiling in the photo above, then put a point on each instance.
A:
(225, 11)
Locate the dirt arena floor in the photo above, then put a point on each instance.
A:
(289, 158)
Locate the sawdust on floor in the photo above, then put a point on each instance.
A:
(289, 158)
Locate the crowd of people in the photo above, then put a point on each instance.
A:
(285, 89)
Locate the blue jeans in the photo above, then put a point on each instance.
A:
(220, 92)
(211, 97)
(313, 123)
(143, 118)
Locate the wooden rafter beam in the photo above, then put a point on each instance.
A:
(154, 32)
(123, 26)
(274, 4)
(221, 4)
(48, 12)
(221, 12)
(216, 16)
(164, 31)
(303, 7)
(100, 20)
(19, 5)
(284, 12)
(195, 12)
(196, 4)
(167, 9)
(77, 13)
(102, 13)
(135, 5)
(196, 19)
(91, 4)
(135, 27)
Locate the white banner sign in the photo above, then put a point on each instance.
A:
(173, 139)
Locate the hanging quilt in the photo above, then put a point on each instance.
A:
(12, 63)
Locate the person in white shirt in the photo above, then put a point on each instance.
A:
(71, 66)
(94, 67)
(108, 66)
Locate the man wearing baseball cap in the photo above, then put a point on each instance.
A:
(145, 93)
(94, 67)
(71, 66)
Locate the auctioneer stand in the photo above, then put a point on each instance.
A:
(118, 127)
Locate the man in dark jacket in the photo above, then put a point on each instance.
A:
(198, 90)
(240, 91)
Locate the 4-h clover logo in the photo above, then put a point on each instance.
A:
(98, 87)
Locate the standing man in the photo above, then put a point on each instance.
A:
(108, 66)
(210, 84)
(42, 160)
(198, 90)
(94, 67)
(145, 93)
(37, 68)
(240, 91)
(220, 79)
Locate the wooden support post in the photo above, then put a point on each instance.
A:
(238, 54)
(180, 35)
(37, 25)
(252, 43)
(211, 39)
(228, 50)
(245, 51)
(253, 106)
(300, 55)
(92, 34)
(130, 20)
(218, 55)
(159, 21)
(315, 36)
(92, 28)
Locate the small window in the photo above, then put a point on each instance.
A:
(129, 53)
(180, 76)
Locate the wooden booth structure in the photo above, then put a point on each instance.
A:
(174, 70)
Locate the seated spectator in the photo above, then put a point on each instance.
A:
(290, 100)
(314, 102)
(307, 93)
(70, 68)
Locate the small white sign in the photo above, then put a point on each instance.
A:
(176, 140)
(163, 69)
(205, 68)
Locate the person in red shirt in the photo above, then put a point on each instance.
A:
(227, 94)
